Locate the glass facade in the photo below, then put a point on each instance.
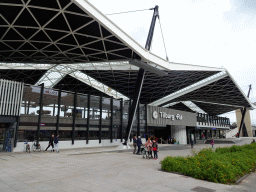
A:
(106, 112)
(116, 134)
(30, 100)
(205, 119)
(94, 116)
(81, 117)
(88, 112)
(142, 109)
(126, 106)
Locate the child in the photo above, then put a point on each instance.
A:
(212, 142)
(155, 149)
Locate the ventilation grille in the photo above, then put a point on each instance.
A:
(11, 93)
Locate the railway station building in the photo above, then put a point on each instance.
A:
(66, 68)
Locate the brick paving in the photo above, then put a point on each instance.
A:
(103, 169)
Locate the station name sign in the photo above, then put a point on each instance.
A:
(165, 115)
(162, 116)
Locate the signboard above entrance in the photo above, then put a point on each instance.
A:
(160, 116)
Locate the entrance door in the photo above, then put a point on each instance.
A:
(2, 133)
(162, 132)
(6, 136)
(191, 132)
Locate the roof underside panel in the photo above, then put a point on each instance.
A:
(223, 91)
(182, 107)
(48, 32)
(69, 83)
(75, 34)
(214, 109)
(26, 76)
(154, 87)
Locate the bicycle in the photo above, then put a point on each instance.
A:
(27, 146)
(36, 147)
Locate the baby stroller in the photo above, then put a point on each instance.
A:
(147, 152)
(142, 149)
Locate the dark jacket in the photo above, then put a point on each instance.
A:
(56, 140)
(139, 142)
(51, 140)
(155, 144)
(134, 141)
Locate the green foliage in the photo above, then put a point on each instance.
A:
(225, 165)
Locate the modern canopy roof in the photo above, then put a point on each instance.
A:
(71, 42)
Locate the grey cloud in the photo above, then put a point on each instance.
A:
(242, 14)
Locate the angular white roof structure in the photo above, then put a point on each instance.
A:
(72, 44)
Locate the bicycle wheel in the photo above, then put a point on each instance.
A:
(34, 148)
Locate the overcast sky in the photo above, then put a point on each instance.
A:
(217, 33)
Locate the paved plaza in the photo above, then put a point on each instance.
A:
(103, 169)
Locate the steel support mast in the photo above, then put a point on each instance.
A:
(243, 111)
(140, 78)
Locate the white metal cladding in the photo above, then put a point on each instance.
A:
(11, 93)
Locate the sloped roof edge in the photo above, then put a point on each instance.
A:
(146, 55)
(252, 105)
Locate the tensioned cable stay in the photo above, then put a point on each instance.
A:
(129, 11)
(163, 39)
(159, 23)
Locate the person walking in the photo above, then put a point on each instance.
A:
(192, 143)
(212, 142)
(56, 143)
(148, 144)
(155, 149)
(139, 143)
(134, 144)
(50, 143)
(146, 137)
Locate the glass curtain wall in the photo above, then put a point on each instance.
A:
(94, 117)
(134, 125)
(142, 109)
(29, 116)
(116, 119)
(48, 118)
(30, 100)
(106, 112)
(125, 115)
(81, 117)
(66, 115)
(31, 105)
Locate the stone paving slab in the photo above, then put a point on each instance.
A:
(102, 169)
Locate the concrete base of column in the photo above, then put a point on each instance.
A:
(121, 146)
(179, 133)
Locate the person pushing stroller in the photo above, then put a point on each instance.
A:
(148, 149)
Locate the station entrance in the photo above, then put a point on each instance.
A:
(160, 132)
(6, 137)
